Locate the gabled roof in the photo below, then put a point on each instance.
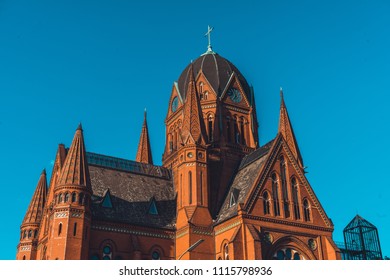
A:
(249, 169)
(131, 195)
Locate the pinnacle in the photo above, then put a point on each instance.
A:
(37, 204)
(75, 168)
(144, 153)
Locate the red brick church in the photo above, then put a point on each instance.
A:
(218, 195)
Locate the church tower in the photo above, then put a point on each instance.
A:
(70, 216)
(27, 248)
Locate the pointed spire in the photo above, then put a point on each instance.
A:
(286, 129)
(75, 169)
(144, 153)
(37, 204)
(192, 120)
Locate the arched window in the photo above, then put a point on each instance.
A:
(81, 198)
(60, 198)
(294, 190)
(201, 187)
(30, 233)
(201, 87)
(242, 128)
(24, 257)
(286, 206)
(236, 133)
(75, 229)
(67, 197)
(35, 233)
(181, 190)
(190, 187)
(266, 203)
(59, 229)
(306, 210)
(210, 127)
(206, 95)
(275, 194)
(226, 252)
(25, 234)
(74, 197)
(228, 130)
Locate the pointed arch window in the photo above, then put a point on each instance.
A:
(242, 128)
(294, 190)
(275, 194)
(286, 206)
(306, 210)
(201, 87)
(210, 127)
(74, 197)
(59, 229)
(190, 187)
(67, 197)
(266, 203)
(205, 95)
(228, 130)
(226, 251)
(201, 187)
(81, 198)
(236, 133)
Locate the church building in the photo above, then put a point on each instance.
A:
(219, 194)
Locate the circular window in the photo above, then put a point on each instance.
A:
(155, 255)
(312, 244)
(107, 250)
(190, 155)
(200, 155)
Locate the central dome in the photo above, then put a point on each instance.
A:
(217, 70)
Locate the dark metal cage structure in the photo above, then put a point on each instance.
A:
(361, 240)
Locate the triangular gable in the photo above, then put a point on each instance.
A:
(107, 202)
(235, 82)
(175, 93)
(279, 145)
(202, 76)
(153, 207)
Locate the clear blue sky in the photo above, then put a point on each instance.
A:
(103, 62)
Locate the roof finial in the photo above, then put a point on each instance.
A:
(208, 34)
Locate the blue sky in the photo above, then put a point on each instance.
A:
(103, 62)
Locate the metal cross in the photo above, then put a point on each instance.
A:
(209, 29)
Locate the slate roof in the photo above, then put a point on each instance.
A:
(249, 170)
(131, 193)
(217, 71)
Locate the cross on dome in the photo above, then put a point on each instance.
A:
(208, 34)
